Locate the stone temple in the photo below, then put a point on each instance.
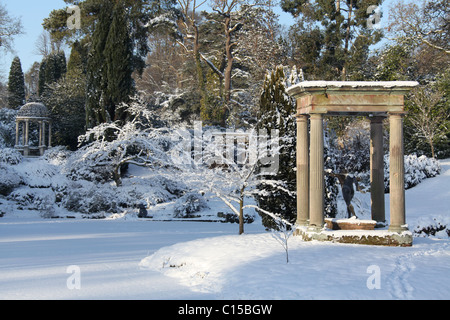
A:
(33, 113)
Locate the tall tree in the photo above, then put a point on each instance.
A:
(118, 60)
(345, 29)
(32, 82)
(426, 22)
(277, 112)
(53, 67)
(96, 69)
(428, 115)
(16, 85)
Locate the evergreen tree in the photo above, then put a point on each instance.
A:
(52, 69)
(118, 60)
(96, 69)
(110, 66)
(16, 85)
(277, 193)
(337, 47)
(78, 58)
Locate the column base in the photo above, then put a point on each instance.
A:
(315, 229)
(398, 229)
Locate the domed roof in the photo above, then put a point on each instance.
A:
(33, 110)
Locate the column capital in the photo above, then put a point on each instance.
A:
(377, 119)
(316, 115)
(400, 114)
(301, 117)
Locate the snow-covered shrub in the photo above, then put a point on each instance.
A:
(416, 170)
(111, 146)
(9, 180)
(91, 198)
(7, 127)
(10, 156)
(438, 227)
(84, 164)
(33, 198)
(57, 155)
(189, 204)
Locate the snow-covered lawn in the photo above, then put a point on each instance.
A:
(136, 259)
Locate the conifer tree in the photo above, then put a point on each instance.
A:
(96, 69)
(53, 67)
(118, 60)
(110, 66)
(277, 112)
(16, 85)
(335, 35)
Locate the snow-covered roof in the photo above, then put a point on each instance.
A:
(33, 110)
(340, 84)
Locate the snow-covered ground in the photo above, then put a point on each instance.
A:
(127, 258)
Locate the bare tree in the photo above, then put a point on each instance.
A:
(428, 116)
(425, 23)
(9, 27)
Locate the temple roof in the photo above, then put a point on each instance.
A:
(33, 110)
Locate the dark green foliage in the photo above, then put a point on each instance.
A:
(16, 85)
(53, 67)
(78, 58)
(118, 60)
(66, 99)
(333, 42)
(96, 69)
(110, 66)
(277, 193)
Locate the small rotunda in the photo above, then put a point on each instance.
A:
(28, 115)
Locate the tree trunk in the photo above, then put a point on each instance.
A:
(241, 211)
(116, 176)
(347, 41)
(430, 141)
(241, 216)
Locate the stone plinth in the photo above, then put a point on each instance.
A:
(365, 237)
(350, 224)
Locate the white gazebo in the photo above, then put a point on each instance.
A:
(33, 112)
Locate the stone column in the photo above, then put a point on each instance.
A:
(377, 169)
(40, 134)
(25, 147)
(49, 134)
(302, 170)
(316, 174)
(43, 133)
(42, 146)
(397, 174)
(17, 133)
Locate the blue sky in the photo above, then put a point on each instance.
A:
(32, 13)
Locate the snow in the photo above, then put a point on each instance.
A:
(339, 84)
(123, 257)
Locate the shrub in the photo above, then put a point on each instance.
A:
(10, 156)
(189, 204)
(416, 170)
